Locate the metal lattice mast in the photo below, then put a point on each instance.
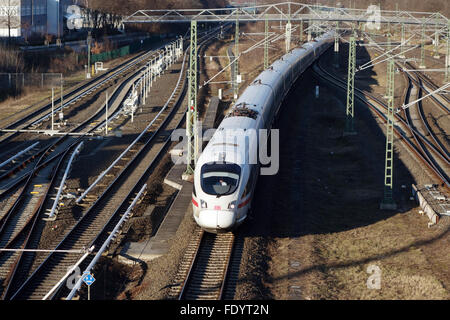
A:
(266, 44)
(349, 125)
(309, 30)
(288, 31)
(388, 199)
(236, 63)
(447, 56)
(301, 31)
(191, 117)
(402, 42)
(388, 66)
(336, 46)
(436, 45)
(336, 38)
(422, 48)
(288, 36)
(89, 43)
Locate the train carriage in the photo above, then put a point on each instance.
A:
(226, 172)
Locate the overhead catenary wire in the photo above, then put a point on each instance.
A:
(447, 85)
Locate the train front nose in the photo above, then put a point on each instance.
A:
(217, 221)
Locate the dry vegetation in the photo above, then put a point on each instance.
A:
(10, 60)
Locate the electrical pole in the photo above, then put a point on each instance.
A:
(388, 202)
(236, 62)
(309, 30)
(349, 125)
(436, 45)
(422, 49)
(336, 46)
(266, 44)
(336, 38)
(288, 31)
(62, 91)
(106, 113)
(447, 57)
(288, 36)
(89, 40)
(144, 93)
(191, 117)
(388, 67)
(58, 41)
(301, 31)
(402, 56)
(53, 107)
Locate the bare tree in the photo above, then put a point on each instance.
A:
(9, 15)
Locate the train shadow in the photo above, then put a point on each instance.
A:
(327, 182)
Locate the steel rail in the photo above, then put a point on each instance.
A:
(32, 219)
(63, 180)
(18, 155)
(361, 96)
(208, 269)
(430, 83)
(5, 218)
(81, 89)
(99, 113)
(108, 241)
(28, 181)
(112, 76)
(441, 147)
(102, 175)
(104, 194)
(121, 68)
(425, 152)
(91, 213)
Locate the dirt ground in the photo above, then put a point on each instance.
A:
(34, 98)
(316, 227)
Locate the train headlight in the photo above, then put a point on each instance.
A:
(232, 205)
(203, 204)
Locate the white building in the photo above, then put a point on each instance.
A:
(19, 18)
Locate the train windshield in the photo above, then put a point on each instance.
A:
(220, 179)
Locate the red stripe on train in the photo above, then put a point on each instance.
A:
(243, 204)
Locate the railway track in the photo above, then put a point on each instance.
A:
(401, 127)
(27, 204)
(428, 85)
(418, 127)
(76, 94)
(90, 125)
(104, 211)
(429, 130)
(203, 272)
(127, 71)
(18, 224)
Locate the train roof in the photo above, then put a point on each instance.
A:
(226, 144)
(230, 142)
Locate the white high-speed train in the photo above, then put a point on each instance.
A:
(225, 178)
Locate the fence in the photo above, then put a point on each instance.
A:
(17, 81)
(123, 51)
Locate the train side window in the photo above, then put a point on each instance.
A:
(249, 185)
